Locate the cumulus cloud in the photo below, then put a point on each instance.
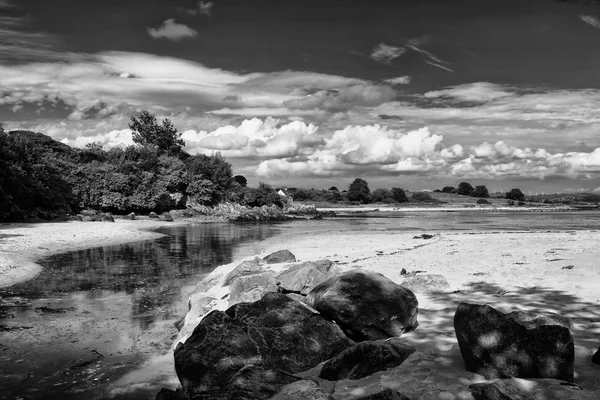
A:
(116, 138)
(172, 30)
(385, 54)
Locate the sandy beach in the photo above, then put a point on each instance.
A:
(548, 272)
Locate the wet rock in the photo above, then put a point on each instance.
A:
(386, 394)
(108, 218)
(301, 390)
(302, 278)
(367, 306)
(423, 236)
(366, 358)
(131, 216)
(248, 267)
(498, 345)
(167, 217)
(275, 332)
(596, 357)
(153, 215)
(251, 288)
(84, 361)
(254, 382)
(535, 389)
(425, 283)
(167, 394)
(280, 256)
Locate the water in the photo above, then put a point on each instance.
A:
(93, 315)
(108, 307)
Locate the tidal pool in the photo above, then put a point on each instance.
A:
(93, 315)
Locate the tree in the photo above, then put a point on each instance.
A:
(241, 180)
(515, 194)
(381, 196)
(213, 168)
(399, 195)
(480, 191)
(147, 132)
(264, 195)
(448, 189)
(359, 191)
(465, 189)
(333, 189)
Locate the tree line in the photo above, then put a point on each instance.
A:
(45, 179)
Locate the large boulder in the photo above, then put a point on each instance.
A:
(248, 267)
(301, 390)
(367, 306)
(596, 357)
(385, 394)
(498, 345)
(425, 283)
(366, 358)
(251, 287)
(167, 217)
(304, 277)
(280, 256)
(153, 215)
(276, 333)
(537, 389)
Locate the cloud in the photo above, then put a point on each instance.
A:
(480, 92)
(344, 98)
(172, 30)
(385, 54)
(591, 19)
(205, 7)
(439, 66)
(400, 80)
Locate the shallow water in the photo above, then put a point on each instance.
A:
(93, 314)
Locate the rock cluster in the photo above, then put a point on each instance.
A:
(294, 334)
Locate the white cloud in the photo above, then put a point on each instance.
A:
(400, 80)
(476, 92)
(591, 19)
(344, 98)
(205, 7)
(172, 30)
(385, 54)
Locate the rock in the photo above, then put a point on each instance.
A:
(498, 345)
(96, 217)
(254, 382)
(596, 357)
(131, 216)
(275, 332)
(280, 256)
(386, 394)
(153, 215)
(246, 268)
(537, 389)
(107, 218)
(86, 218)
(167, 217)
(167, 394)
(425, 283)
(366, 358)
(251, 287)
(367, 306)
(304, 277)
(301, 390)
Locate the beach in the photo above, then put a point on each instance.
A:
(546, 272)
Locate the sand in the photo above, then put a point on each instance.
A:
(549, 272)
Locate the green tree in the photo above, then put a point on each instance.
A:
(399, 195)
(147, 132)
(465, 189)
(481, 191)
(359, 191)
(515, 194)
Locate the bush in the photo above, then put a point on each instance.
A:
(381, 196)
(483, 201)
(399, 195)
(264, 195)
(515, 194)
(465, 189)
(423, 197)
(448, 189)
(480, 191)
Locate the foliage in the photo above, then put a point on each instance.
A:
(449, 189)
(241, 180)
(147, 132)
(382, 196)
(264, 195)
(481, 192)
(213, 168)
(483, 201)
(359, 191)
(399, 195)
(423, 197)
(465, 189)
(515, 194)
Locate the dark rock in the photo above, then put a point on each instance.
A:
(131, 216)
(96, 217)
(386, 394)
(153, 215)
(425, 283)
(275, 332)
(301, 390)
(87, 218)
(403, 271)
(498, 345)
(596, 357)
(280, 256)
(366, 358)
(107, 218)
(251, 287)
(249, 267)
(535, 389)
(302, 278)
(366, 306)
(167, 217)
(255, 382)
(167, 394)
(423, 236)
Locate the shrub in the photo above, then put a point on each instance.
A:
(423, 197)
(448, 189)
(483, 201)
(399, 195)
(465, 189)
(381, 196)
(480, 191)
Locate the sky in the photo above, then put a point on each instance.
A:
(418, 94)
